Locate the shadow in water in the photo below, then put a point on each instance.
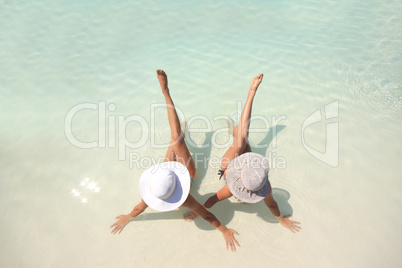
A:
(200, 154)
(225, 211)
(262, 146)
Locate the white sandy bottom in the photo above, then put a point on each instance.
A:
(311, 55)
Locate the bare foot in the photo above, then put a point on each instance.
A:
(255, 83)
(190, 216)
(162, 77)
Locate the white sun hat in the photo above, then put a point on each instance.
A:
(165, 186)
(247, 177)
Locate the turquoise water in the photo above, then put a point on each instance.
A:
(57, 55)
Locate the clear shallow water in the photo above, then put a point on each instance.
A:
(55, 56)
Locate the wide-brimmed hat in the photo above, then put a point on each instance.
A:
(165, 186)
(247, 177)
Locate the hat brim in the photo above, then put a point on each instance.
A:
(179, 195)
(236, 187)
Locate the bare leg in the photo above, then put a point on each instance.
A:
(177, 150)
(247, 148)
(240, 132)
(238, 147)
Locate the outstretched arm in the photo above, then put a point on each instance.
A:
(284, 220)
(222, 194)
(123, 220)
(228, 234)
(240, 133)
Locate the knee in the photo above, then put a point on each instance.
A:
(240, 132)
(235, 129)
(177, 136)
(240, 141)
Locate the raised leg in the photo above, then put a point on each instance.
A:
(177, 150)
(247, 148)
(240, 132)
(238, 147)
